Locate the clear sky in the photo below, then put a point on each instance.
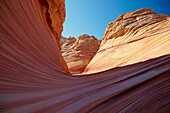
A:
(92, 16)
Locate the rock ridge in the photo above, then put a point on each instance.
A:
(78, 52)
(126, 40)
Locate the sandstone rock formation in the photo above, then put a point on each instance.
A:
(69, 41)
(54, 15)
(32, 79)
(134, 37)
(78, 53)
(62, 40)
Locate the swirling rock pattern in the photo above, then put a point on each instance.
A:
(134, 37)
(78, 53)
(33, 81)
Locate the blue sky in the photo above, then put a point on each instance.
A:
(92, 16)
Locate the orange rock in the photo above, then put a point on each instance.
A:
(54, 15)
(69, 41)
(57, 15)
(78, 53)
(134, 37)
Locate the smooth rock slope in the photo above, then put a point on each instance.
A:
(133, 37)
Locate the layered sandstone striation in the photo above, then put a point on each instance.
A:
(78, 53)
(133, 37)
(32, 79)
(54, 15)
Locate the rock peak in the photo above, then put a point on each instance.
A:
(78, 53)
(132, 21)
(134, 37)
(71, 38)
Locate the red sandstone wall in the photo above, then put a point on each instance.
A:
(32, 79)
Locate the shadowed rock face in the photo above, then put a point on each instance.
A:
(33, 81)
(134, 37)
(62, 40)
(78, 53)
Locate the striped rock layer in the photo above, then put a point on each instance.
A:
(78, 53)
(32, 79)
(134, 37)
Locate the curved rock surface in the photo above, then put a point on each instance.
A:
(78, 53)
(53, 16)
(33, 81)
(134, 37)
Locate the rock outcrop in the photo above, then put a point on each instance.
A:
(78, 53)
(62, 40)
(33, 81)
(54, 15)
(134, 37)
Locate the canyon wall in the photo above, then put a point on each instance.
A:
(78, 53)
(33, 80)
(133, 37)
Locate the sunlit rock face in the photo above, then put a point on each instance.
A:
(78, 53)
(134, 37)
(68, 42)
(54, 15)
(32, 79)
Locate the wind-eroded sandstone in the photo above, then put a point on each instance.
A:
(78, 53)
(62, 40)
(134, 37)
(54, 15)
(32, 79)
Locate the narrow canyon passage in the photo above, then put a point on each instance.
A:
(35, 78)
